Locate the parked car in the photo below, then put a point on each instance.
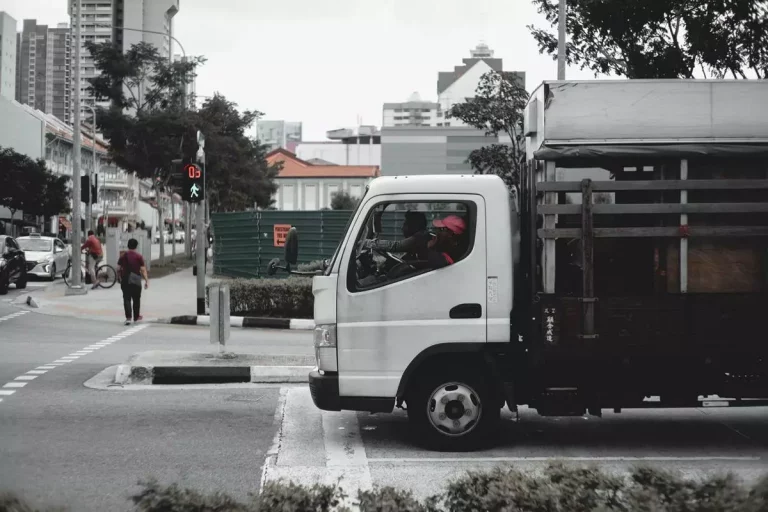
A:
(13, 265)
(46, 256)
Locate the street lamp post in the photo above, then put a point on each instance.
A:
(89, 205)
(561, 40)
(77, 288)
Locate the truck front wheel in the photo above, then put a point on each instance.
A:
(452, 411)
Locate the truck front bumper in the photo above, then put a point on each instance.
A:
(324, 388)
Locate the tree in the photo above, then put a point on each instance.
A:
(498, 107)
(237, 173)
(148, 126)
(662, 38)
(343, 201)
(28, 185)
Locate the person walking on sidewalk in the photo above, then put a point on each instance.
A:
(130, 270)
(94, 254)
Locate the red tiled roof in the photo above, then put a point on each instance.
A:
(295, 167)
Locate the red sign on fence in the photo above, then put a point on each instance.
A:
(280, 232)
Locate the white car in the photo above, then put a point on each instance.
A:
(46, 256)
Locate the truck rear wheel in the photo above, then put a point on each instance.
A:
(453, 411)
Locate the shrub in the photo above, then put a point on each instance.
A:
(312, 266)
(277, 298)
(558, 489)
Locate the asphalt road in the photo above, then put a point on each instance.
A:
(64, 444)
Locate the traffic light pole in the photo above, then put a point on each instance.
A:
(202, 241)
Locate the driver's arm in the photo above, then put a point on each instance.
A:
(409, 244)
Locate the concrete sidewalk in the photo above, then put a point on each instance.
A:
(169, 296)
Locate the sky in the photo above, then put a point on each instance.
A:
(327, 63)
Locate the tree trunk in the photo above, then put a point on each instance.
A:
(161, 226)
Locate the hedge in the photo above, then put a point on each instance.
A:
(276, 298)
(559, 489)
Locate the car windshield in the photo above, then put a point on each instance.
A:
(31, 244)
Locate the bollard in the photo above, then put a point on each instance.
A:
(219, 298)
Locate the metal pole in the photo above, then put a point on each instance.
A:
(91, 172)
(200, 254)
(173, 227)
(77, 288)
(561, 41)
(188, 230)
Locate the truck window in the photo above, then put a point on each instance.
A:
(402, 240)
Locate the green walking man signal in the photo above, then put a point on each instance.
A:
(193, 187)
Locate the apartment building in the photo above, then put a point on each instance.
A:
(414, 112)
(8, 52)
(279, 134)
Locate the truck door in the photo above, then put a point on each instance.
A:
(384, 321)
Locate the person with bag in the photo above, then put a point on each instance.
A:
(130, 270)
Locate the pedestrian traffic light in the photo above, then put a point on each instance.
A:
(193, 187)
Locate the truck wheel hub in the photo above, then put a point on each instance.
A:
(454, 409)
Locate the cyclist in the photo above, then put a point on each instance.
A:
(94, 255)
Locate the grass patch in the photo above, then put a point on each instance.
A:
(161, 268)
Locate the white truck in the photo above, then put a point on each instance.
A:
(646, 199)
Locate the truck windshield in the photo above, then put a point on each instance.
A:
(327, 271)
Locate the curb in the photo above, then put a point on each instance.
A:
(158, 375)
(296, 324)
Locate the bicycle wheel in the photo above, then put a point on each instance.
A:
(106, 276)
(68, 276)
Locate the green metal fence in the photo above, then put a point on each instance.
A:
(244, 242)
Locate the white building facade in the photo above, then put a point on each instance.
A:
(8, 54)
(347, 146)
(414, 112)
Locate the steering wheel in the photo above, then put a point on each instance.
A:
(390, 256)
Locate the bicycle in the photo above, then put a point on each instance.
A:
(106, 276)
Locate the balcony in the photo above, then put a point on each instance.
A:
(118, 181)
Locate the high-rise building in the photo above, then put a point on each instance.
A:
(279, 134)
(8, 53)
(126, 22)
(43, 74)
(461, 83)
(31, 65)
(190, 90)
(414, 112)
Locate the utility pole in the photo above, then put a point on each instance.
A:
(561, 41)
(77, 287)
(202, 238)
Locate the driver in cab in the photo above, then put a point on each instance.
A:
(423, 248)
(415, 242)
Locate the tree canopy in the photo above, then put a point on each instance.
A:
(343, 201)
(28, 185)
(497, 108)
(149, 124)
(662, 38)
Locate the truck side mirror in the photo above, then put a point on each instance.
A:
(292, 246)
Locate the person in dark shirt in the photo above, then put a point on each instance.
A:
(414, 243)
(130, 270)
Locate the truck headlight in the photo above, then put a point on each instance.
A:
(325, 348)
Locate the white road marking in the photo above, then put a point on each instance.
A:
(13, 315)
(433, 460)
(304, 431)
(23, 380)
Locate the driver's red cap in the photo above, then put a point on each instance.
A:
(452, 222)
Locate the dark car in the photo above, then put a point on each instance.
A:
(13, 265)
